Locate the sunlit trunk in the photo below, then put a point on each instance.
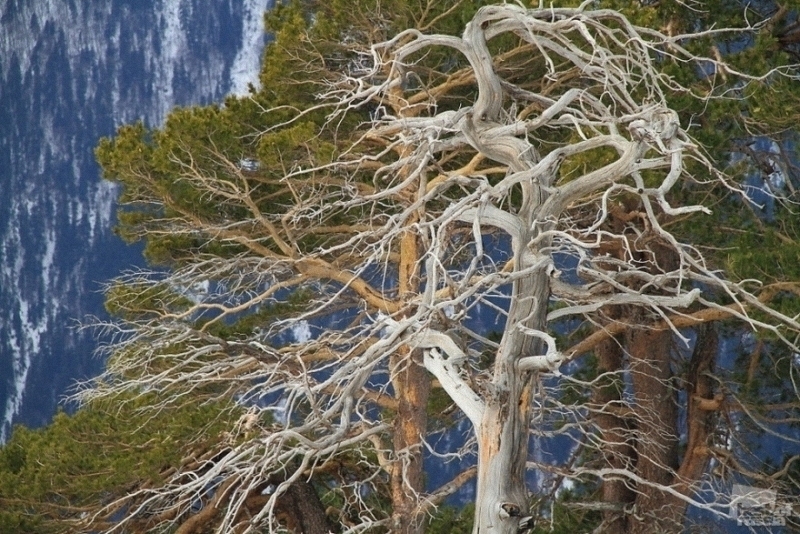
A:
(412, 386)
(411, 383)
(502, 449)
(502, 496)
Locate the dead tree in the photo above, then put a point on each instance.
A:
(486, 159)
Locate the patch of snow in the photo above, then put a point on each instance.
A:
(280, 411)
(301, 331)
(20, 365)
(249, 164)
(199, 291)
(20, 340)
(247, 63)
(102, 207)
(567, 484)
(22, 351)
(173, 43)
(48, 258)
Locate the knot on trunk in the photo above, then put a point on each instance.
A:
(657, 128)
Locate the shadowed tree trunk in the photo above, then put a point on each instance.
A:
(615, 429)
(412, 388)
(648, 446)
(411, 383)
(640, 434)
(656, 420)
(301, 510)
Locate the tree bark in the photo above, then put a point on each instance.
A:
(412, 387)
(656, 433)
(503, 435)
(699, 419)
(411, 384)
(615, 435)
(302, 511)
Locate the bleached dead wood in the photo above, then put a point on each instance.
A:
(534, 164)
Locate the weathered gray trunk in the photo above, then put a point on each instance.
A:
(502, 498)
(504, 430)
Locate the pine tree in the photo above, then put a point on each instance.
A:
(323, 247)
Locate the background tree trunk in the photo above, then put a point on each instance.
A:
(615, 434)
(302, 511)
(412, 387)
(657, 423)
(412, 384)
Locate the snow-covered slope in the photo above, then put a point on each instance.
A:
(70, 72)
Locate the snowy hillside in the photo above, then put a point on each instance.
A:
(70, 72)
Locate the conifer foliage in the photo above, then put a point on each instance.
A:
(439, 208)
